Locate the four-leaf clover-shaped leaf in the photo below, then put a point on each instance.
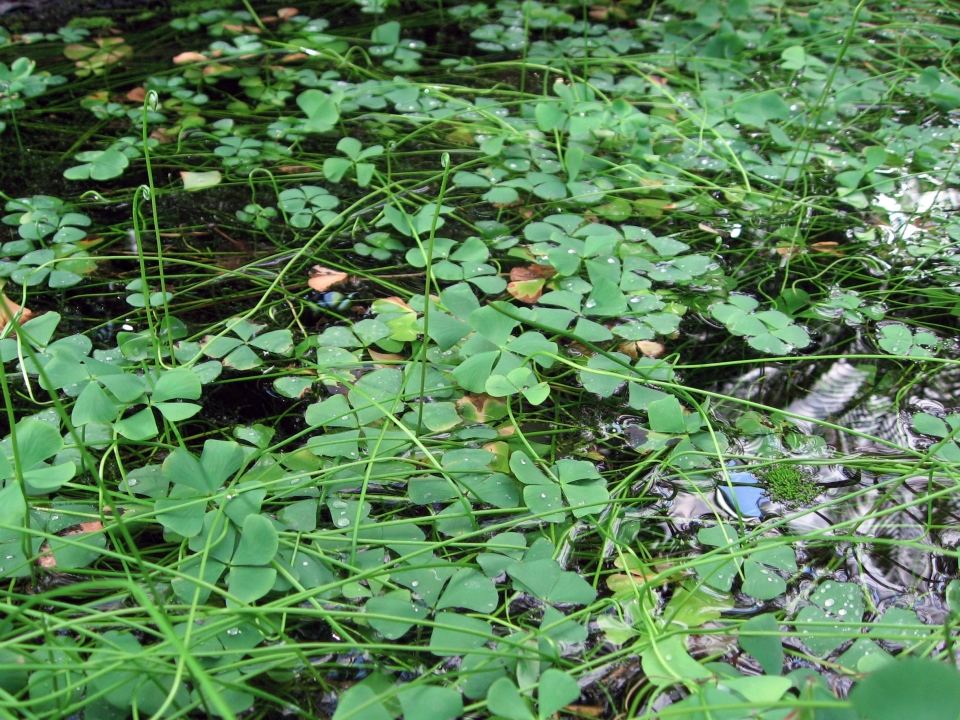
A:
(238, 352)
(760, 580)
(307, 203)
(898, 339)
(37, 443)
(769, 331)
(577, 481)
(836, 602)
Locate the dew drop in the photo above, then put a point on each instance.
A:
(828, 602)
(131, 482)
(233, 631)
(415, 583)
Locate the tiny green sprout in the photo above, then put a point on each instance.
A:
(790, 485)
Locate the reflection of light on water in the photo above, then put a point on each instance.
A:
(830, 394)
(911, 202)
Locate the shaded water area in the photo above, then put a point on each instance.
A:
(390, 358)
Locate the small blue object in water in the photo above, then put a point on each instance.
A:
(335, 301)
(746, 495)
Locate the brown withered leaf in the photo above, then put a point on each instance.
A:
(588, 710)
(712, 230)
(650, 349)
(46, 559)
(9, 310)
(527, 282)
(531, 272)
(213, 69)
(286, 13)
(163, 135)
(399, 303)
(189, 57)
(137, 95)
(827, 246)
(322, 279)
(387, 359)
(647, 348)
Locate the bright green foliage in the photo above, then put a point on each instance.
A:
(789, 484)
(306, 204)
(769, 331)
(767, 648)
(240, 352)
(335, 168)
(106, 164)
(839, 603)
(898, 339)
(20, 80)
(758, 569)
(922, 688)
(50, 244)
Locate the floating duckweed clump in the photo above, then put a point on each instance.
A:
(790, 485)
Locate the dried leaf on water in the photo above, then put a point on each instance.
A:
(322, 279)
(9, 310)
(189, 57)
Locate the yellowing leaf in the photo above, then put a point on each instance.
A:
(526, 291)
(199, 180)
